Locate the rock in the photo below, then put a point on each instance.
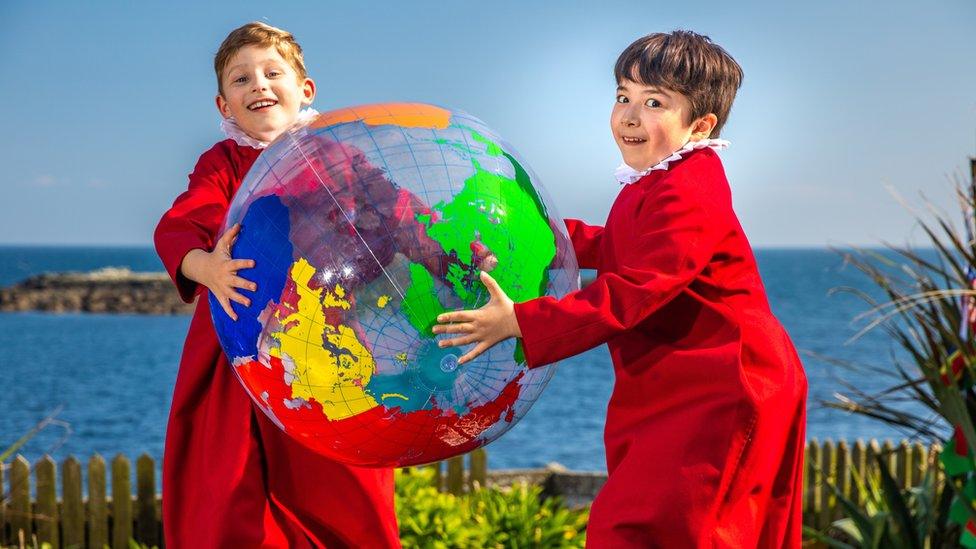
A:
(109, 290)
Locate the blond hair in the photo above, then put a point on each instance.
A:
(262, 35)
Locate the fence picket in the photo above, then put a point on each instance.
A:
(455, 475)
(920, 461)
(828, 457)
(97, 507)
(121, 503)
(146, 519)
(843, 478)
(3, 507)
(906, 468)
(815, 465)
(19, 510)
(478, 469)
(72, 506)
(46, 510)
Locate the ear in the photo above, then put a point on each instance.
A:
(702, 128)
(222, 106)
(308, 92)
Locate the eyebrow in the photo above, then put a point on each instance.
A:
(648, 89)
(263, 61)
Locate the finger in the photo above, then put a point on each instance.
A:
(243, 283)
(493, 288)
(462, 328)
(456, 316)
(230, 234)
(238, 298)
(474, 353)
(239, 264)
(225, 304)
(457, 341)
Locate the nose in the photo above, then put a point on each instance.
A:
(629, 117)
(260, 83)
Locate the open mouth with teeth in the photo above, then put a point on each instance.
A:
(262, 104)
(632, 140)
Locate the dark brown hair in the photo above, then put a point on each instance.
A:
(262, 35)
(688, 63)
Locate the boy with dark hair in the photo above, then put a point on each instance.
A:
(705, 427)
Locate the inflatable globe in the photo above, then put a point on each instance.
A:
(365, 224)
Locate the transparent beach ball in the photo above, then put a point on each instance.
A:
(365, 224)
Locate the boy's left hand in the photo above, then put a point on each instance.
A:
(485, 326)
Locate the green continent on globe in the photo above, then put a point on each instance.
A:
(421, 299)
(501, 215)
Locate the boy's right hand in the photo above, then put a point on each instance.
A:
(217, 270)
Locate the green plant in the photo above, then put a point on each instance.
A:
(928, 311)
(518, 516)
(430, 519)
(891, 517)
(514, 517)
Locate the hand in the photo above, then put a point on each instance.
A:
(217, 270)
(485, 326)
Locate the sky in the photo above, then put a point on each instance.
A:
(845, 105)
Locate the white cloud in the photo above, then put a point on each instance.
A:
(45, 180)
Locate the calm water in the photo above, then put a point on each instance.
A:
(114, 374)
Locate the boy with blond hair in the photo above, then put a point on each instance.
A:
(231, 478)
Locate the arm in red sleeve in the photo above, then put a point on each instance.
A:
(666, 244)
(586, 242)
(195, 217)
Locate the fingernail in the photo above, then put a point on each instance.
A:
(441, 344)
(440, 318)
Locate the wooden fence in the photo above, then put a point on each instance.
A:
(841, 464)
(114, 519)
(103, 519)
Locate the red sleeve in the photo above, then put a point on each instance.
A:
(196, 216)
(586, 243)
(669, 241)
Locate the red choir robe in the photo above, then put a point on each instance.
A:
(231, 478)
(705, 427)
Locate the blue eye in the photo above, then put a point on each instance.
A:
(622, 99)
(652, 103)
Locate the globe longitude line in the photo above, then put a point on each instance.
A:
(345, 215)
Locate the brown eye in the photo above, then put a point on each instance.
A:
(653, 103)
(622, 99)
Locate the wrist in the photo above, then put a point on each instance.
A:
(190, 267)
(514, 329)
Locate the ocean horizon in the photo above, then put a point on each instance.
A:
(114, 374)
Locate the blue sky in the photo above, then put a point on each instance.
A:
(108, 105)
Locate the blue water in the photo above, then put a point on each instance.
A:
(114, 374)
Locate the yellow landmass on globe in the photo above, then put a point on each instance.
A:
(334, 377)
(382, 301)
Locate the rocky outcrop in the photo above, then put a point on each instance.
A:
(109, 290)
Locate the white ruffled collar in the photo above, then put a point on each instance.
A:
(233, 131)
(626, 175)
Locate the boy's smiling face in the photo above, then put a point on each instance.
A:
(263, 92)
(649, 123)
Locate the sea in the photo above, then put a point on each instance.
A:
(107, 380)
